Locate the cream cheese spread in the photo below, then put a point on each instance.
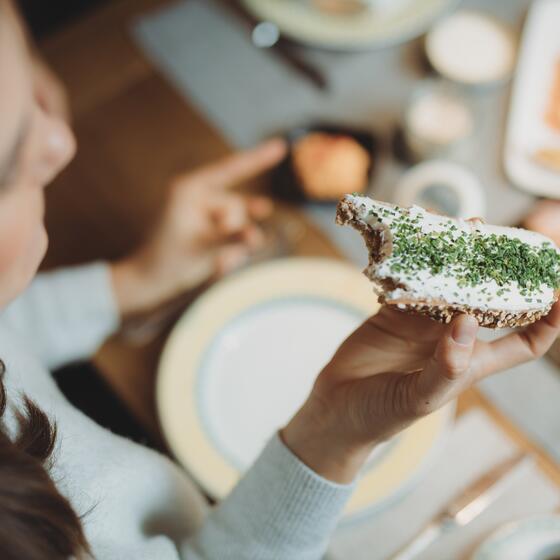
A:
(454, 261)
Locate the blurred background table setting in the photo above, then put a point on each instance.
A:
(453, 105)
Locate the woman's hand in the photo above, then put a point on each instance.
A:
(393, 370)
(206, 230)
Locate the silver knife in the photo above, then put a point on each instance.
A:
(465, 507)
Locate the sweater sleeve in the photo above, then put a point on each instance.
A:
(279, 510)
(65, 315)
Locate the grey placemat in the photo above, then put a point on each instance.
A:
(248, 94)
(206, 53)
(474, 446)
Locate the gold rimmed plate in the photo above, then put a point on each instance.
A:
(388, 23)
(242, 360)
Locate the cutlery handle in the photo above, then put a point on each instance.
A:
(420, 542)
(281, 48)
(284, 51)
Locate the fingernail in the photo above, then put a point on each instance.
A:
(464, 330)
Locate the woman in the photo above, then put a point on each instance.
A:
(80, 490)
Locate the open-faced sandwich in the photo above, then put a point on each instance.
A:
(438, 266)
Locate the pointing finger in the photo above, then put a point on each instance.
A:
(242, 166)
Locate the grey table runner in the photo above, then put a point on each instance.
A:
(249, 94)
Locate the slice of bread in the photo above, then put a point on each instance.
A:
(438, 266)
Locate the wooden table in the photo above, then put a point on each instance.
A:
(134, 132)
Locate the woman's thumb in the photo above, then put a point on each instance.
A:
(448, 372)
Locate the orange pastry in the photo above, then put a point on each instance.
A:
(329, 165)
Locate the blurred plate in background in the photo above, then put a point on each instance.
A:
(242, 360)
(392, 22)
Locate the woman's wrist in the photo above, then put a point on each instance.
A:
(315, 437)
(134, 290)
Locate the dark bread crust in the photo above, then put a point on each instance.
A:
(491, 318)
(379, 244)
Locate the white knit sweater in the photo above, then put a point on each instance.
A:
(139, 504)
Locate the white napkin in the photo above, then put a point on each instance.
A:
(475, 445)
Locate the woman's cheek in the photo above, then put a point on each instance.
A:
(41, 245)
(14, 239)
(23, 241)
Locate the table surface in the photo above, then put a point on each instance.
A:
(105, 202)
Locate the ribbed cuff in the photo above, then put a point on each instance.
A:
(280, 510)
(96, 279)
(75, 310)
(307, 496)
(91, 288)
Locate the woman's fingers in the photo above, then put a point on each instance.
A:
(234, 226)
(230, 214)
(241, 166)
(448, 372)
(259, 207)
(453, 353)
(519, 346)
(231, 257)
(215, 263)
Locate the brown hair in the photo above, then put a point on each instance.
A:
(36, 521)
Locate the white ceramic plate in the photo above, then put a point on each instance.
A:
(394, 22)
(527, 130)
(536, 538)
(243, 358)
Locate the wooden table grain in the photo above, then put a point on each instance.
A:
(134, 132)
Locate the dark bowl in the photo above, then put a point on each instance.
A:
(286, 185)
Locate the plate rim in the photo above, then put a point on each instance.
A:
(359, 46)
